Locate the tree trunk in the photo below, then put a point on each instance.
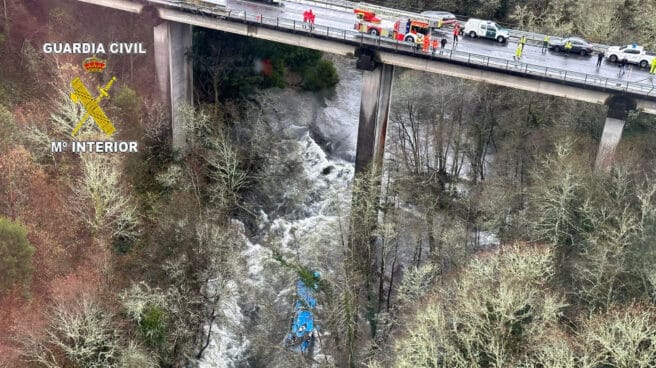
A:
(4, 7)
(209, 334)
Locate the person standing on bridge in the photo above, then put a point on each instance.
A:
(456, 32)
(600, 58)
(443, 42)
(522, 41)
(623, 65)
(652, 70)
(305, 18)
(518, 52)
(568, 47)
(311, 19)
(545, 44)
(436, 45)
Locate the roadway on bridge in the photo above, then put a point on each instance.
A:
(345, 20)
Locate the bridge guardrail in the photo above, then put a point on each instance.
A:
(648, 88)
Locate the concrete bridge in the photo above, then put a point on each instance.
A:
(377, 58)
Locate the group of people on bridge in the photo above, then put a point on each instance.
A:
(308, 19)
(434, 45)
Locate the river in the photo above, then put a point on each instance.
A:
(321, 131)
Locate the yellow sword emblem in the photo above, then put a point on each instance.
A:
(81, 94)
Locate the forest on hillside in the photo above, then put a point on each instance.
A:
(496, 241)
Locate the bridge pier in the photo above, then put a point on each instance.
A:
(174, 72)
(374, 110)
(370, 148)
(618, 110)
(372, 128)
(610, 138)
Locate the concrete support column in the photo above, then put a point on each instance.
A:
(610, 138)
(374, 111)
(363, 247)
(174, 72)
(618, 110)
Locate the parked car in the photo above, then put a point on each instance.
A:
(437, 16)
(485, 29)
(633, 54)
(579, 46)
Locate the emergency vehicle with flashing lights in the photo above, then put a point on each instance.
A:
(368, 22)
(440, 18)
(633, 54)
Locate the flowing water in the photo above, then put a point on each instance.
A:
(322, 132)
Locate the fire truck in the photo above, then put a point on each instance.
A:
(411, 30)
(368, 22)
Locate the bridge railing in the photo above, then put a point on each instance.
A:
(645, 87)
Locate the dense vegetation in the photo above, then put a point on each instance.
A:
(231, 66)
(134, 260)
(15, 256)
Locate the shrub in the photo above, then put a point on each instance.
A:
(7, 127)
(133, 356)
(15, 255)
(320, 76)
(152, 324)
(129, 104)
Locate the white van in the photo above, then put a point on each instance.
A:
(485, 29)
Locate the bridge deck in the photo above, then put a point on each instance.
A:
(536, 78)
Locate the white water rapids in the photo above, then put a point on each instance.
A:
(302, 120)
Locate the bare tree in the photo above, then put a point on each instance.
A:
(111, 209)
(83, 335)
